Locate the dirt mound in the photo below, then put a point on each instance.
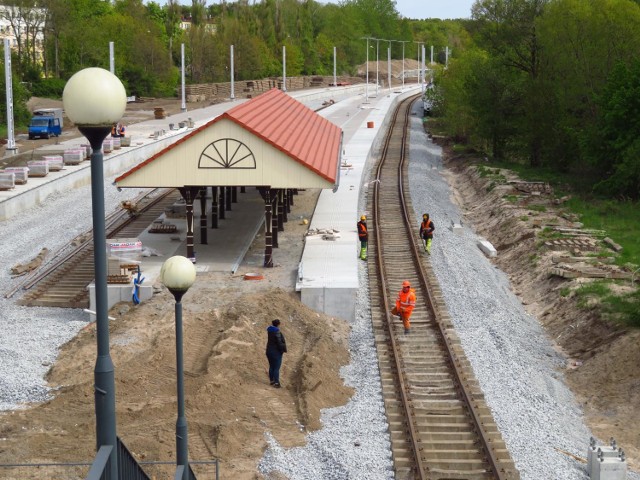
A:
(602, 356)
(229, 401)
(382, 66)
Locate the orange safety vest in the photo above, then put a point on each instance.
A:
(424, 229)
(406, 302)
(362, 231)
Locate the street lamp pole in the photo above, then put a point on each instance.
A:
(419, 62)
(183, 106)
(366, 85)
(94, 115)
(233, 78)
(389, 65)
(377, 57)
(178, 274)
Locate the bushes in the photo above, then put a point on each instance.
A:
(48, 88)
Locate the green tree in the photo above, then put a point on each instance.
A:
(581, 42)
(507, 29)
(617, 150)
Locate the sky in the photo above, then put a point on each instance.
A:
(419, 9)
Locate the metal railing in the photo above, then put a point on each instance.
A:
(100, 469)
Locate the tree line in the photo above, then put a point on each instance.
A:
(550, 83)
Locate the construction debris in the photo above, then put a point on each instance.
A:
(532, 188)
(326, 233)
(612, 244)
(130, 207)
(21, 269)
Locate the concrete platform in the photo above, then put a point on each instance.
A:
(328, 273)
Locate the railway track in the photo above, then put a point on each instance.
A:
(63, 283)
(440, 426)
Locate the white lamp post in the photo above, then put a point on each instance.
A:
(377, 58)
(178, 274)
(94, 99)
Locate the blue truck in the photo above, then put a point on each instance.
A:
(46, 122)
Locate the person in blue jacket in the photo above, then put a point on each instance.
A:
(276, 346)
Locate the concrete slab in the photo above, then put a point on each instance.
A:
(488, 249)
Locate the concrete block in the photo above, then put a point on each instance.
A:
(457, 228)
(120, 293)
(21, 174)
(488, 249)
(7, 180)
(609, 469)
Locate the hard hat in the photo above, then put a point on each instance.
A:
(425, 215)
(363, 218)
(406, 283)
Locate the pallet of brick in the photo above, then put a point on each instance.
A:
(113, 266)
(38, 168)
(123, 279)
(159, 113)
(87, 150)
(163, 228)
(125, 141)
(107, 145)
(7, 180)
(116, 143)
(21, 173)
(56, 162)
(74, 156)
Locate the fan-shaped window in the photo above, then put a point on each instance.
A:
(227, 153)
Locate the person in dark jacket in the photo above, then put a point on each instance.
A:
(276, 346)
(426, 232)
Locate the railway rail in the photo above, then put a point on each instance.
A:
(440, 426)
(63, 282)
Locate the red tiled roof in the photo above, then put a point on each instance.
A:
(287, 125)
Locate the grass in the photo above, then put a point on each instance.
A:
(619, 218)
(623, 308)
(537, 208)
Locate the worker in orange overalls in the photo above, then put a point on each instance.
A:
(363, 235)
(405, 303)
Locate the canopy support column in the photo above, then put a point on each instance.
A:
(265, 192)
(281, 210)
(274, 217)
(223, 198)
(203, 216)
(227, 201)
(214, 207)
(285, 205)
(189, 194)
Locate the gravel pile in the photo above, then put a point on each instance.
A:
(517, 367)
(32, 336)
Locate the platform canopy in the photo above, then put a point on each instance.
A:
(271, 140)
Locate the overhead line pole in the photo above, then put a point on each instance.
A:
(366, 87)
(419, 63)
